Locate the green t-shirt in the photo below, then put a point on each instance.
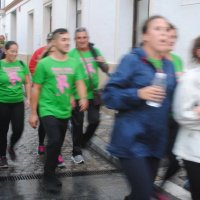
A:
(177, 62)
(57, 80)
(12, 79)
(92, 67)
(156, 63)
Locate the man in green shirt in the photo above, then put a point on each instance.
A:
(53, 80)
(83, 53)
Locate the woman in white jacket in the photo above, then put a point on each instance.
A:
(187, 113)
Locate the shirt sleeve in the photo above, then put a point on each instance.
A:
(185, 99)
(38, 76)
(79, 71)
(119, 93)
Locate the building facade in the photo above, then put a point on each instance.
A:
(114, 25)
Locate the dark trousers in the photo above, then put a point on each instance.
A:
(14, 113)
(173, 164)
(55, 129)
(193, 173)
(41, 133)
(79, 138)
(140, 173)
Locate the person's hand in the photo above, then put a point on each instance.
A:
(152, 93)
(83, 103)
(73, 102)
(100, 59)
(33, 120)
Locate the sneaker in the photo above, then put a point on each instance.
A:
(78, 159)
(51, 183)
(160, 196)
(41, 149)
(3, 162)
(61, 163)
(12, 153)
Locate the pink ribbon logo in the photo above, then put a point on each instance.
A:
(14, 77)
(62, 84)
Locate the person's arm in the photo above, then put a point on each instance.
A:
(27, 90)
(82, 92)
(186, 101)
(120, 93)
(33, 119)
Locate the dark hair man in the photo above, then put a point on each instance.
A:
(53, 80)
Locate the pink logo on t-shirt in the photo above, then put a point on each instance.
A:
(62, 84)
(90, 68)
(13, 77)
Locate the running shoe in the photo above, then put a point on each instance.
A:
(41, 149)
(78, 159)
(3, 162)
(61, 163)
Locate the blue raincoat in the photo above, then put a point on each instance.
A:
(139, 130)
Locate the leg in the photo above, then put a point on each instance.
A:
(55, 130)
(173, 165)
(77, 130)
(93, 122)
(5, 118)
(141, 186)
(17, 121)
(41, 133)
(193, 169)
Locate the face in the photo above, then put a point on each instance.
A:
(82, 40)
(61, 43)
(172, 36)
(11, 53)
(156, 36)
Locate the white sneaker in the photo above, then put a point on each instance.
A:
(78, 159)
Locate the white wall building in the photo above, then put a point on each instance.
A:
(113, 25)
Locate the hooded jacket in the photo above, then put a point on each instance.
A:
(139, 130)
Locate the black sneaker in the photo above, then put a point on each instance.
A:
(12, 154)
(51, 183)
(3, 162)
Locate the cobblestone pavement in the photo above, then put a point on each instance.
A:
(29, 162)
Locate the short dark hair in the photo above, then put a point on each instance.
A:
(195, 47)
(9, 44)
(59, 31)
(147, 22)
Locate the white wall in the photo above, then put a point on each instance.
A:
(185, 15)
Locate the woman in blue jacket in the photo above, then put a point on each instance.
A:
(139, 134)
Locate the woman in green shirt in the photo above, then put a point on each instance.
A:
(14, 80)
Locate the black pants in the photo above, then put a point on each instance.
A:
(193, 173)
(79, 138)
(14, 113)
(41, 133)
(140, 173)
(55, 129)
(173, 164)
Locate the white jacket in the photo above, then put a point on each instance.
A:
(187, 96)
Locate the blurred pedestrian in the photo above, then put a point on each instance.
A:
(2, 43)
(53, 80)
(186, 109)
(37, 55)
(139, 134)
(14, 74)
(173, 164)
(84, 52)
